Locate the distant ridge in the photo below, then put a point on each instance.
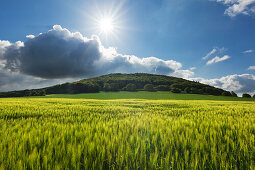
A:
(124, 82)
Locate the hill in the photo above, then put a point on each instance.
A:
(124, 82)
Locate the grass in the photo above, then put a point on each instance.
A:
(146, 95)
(63, 133)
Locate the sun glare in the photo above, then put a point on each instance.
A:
(106, 25)
(107, 20)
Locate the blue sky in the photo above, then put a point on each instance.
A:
(184, 31)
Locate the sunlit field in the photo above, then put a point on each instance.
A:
(160, 95)
(39, 133)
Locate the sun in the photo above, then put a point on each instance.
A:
(107, 21)
(106, 25)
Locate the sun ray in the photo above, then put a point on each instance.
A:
(107, 20)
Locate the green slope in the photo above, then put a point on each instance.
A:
(120, 82)
(146, 95)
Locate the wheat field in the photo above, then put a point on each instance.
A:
(55, 133)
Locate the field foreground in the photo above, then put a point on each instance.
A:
(51, 133)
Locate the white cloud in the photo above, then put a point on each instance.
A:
(251, 68)
(30, 36)
(215, 51)
(16, 81)
(236, 7)
(183, 73)
(59, 54)
(243, 83)
(186, 74)
(217, 59)
(209, 54)
(248, 51)
(193, 68)
(3, 46)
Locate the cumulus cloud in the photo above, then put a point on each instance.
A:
(183, 73)
(15, 81)
(10, 80)
(243, 83)
(3, 46)
(55, 54)
(236, 7)
(60, 53)
(217, 59)
(248, 51)
(251, 68)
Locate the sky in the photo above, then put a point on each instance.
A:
(48, 42)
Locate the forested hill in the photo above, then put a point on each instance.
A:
(151, 82)
(124, 82)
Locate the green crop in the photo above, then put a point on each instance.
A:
(48, 133)
(145, 95)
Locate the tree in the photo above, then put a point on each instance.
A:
(115, 87)
(177, 86)
(253, 96)
(148, 87)
(194, 90)
(27, 93)
(246, 95)
(176, 90)
(111, 87)
(226, 93)
(187, 90)
(233, 94)
(41, 92)
(107, 87)
(163, 88)
(34, 93)
(131, 87)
